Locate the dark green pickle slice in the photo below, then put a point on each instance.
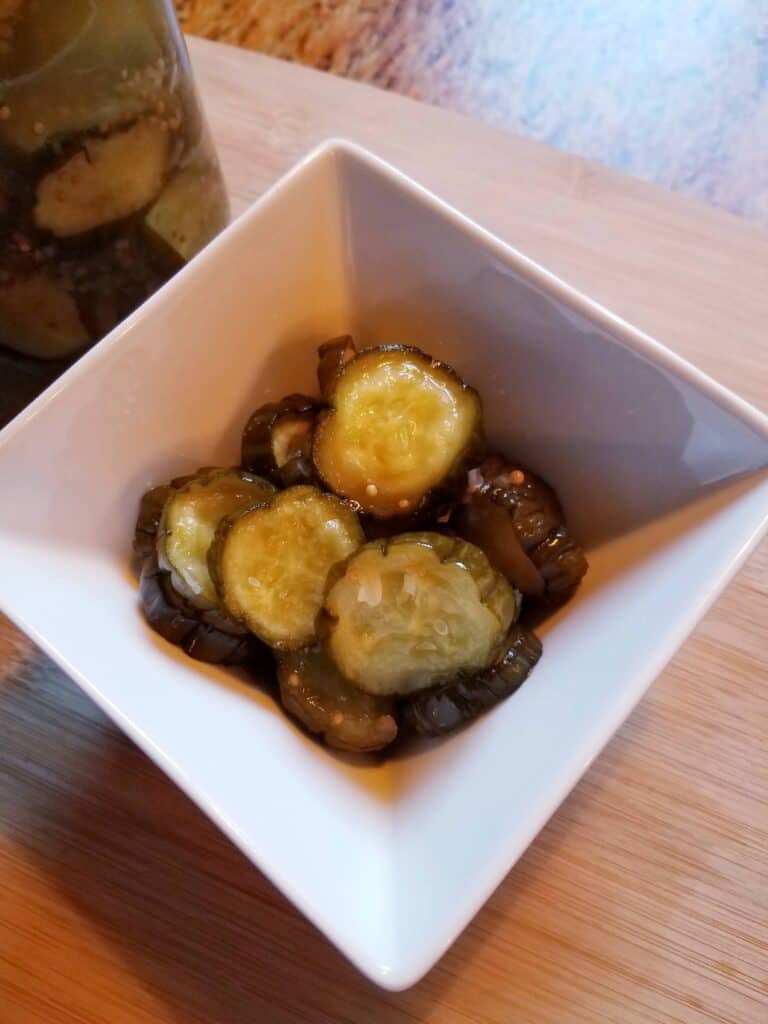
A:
(313, 690)
(516, 518)
(277, 440)
(443, 708)
(332, 356)
(207, 635)
(561, 563)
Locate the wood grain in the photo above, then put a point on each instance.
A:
(644, 900)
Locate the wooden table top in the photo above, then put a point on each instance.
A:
(645, 899)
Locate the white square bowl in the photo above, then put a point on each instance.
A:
(662, 473)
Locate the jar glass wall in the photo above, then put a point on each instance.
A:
(108, 179)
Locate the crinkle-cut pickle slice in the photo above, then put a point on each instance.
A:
(533, 506)
(39, 317)
(332, 357)
(150, 514)
(414, 610)
(271, 563)
(516, 518)
(204, 634)
(441, 709)
(277, 440)
(106, 180)
(148, 519)
(401, 425)
(189, 520)
(313, 690)
(562, 564)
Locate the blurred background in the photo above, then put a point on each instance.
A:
(672, 91)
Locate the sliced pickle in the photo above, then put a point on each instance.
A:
(148, 523)
(190, 211)
(332, 356)
(313, 690)
(277, 440)
(401, 427)
(516, 518)
(38, 31)
(492, 528)
(39, 317)
(207, 635)
(444, 708)
(77, 65)
(106, 180)
(532, 504)
(150, 515)
(189, 520)
(562, 564)
(407, 613)
(271, 563)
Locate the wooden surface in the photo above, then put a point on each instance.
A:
(644, 900)
(675, 93)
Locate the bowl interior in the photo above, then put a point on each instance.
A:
(657, 469)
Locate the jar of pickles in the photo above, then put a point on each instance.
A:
(108, 179)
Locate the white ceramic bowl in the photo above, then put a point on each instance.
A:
(658, 467)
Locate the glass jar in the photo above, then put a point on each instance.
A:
(108, 179)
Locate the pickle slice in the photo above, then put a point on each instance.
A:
(407, 613)
(444, 708)
(148, 523)
(80, 65)
(562, 564)
(150, 515)
(332, 356)
(39, 317)
(189, 520)
(492, 528)
(108, 179)
(205, 634)
(531, 502)
(190, 211)
(271, 562)
(277, 440)
(516, 518)
(401, 426)
(313, 690)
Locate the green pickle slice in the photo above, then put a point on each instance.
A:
(115, 52)
(516, 518)
(313, 690)
(402, 426)
(191, 209)
(332, 356)
(204, 634)
(271, 562)
(442, 709)
(189, 521)
(277, 440)
(104, 181)
(408, 612)
(39, 317)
